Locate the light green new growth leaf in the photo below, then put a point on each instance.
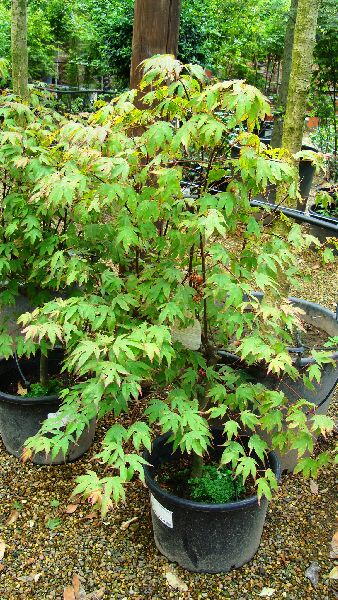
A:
(231, 429)
(258, 446)
(246, 466)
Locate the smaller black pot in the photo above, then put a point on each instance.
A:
(205, 538)
(21, 417)
(321, 231)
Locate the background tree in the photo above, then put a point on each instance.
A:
(300, 75)
(155, 31)
(324, 83)
(286, 70)
(19, 48)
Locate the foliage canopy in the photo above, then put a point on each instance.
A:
(140, 228)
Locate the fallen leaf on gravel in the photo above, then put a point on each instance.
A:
(126, 524)
(68, 593)
(71, 508)
(76, 585)
(76, 591)
(96, 595)
(333, 573)
(2, 549)
(334, 546)
(313, 487)
(30, 561)
(12, 517)
(92, 515)
(312, 573)
(33, 577)
(175, 582)
(2, 567)
(267, 592)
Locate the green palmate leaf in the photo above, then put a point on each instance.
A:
(140, 435)
(246, 466)
(266, 484)
(328, 255)
(6, 345)
(323, 423)
(213, 222)
(273, 419)
(249, 419)
(303, 443)
(263, 488)
(314, 372)
(310, 467)
(258, 446)
(231, 429)
(232, 453)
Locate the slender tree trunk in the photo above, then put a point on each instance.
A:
(276, 139)
(19, 48)
(43, 369)
(334, 102)
(300, 76)
(156, 25)
(278, 74)
(266, 75)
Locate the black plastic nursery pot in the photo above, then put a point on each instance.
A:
(21, 417)
(306, 172)
(321, 395)
(325, 222)
(200, 537)
(327, 321)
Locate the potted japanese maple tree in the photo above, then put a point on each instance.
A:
(33, 237)
(176, 285)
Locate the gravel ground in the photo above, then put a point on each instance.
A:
(39, 561)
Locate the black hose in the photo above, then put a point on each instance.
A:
(26, 382)
(300, 215)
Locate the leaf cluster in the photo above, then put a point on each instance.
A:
(130, 228)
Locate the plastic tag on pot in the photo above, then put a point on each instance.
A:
(63, 420)
(190, 337)
(162, 513)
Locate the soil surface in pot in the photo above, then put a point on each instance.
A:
(175, 477)
(15, 385)
(313, 337)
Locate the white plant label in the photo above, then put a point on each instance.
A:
(64, 421)
(162, 513)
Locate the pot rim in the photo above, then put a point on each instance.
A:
(28, 400)
(301, 362)
(203, 506)
(317, 215)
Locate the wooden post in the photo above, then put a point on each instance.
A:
(19, 48)
(156, 25)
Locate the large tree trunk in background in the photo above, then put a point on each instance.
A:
(300, 76)
(276, 139)
(156, 25)
(19, 48)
